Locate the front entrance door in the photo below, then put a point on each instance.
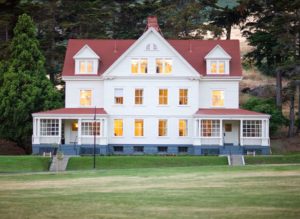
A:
(231, 132)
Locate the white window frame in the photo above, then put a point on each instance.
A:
(47, 129)
(118, 136)
(214, 129)
(167, 104)
(87, 126)
(86, 89)
(211, 98)
(187, 97)
(163, 60)
(94, 63)
(186, 129)
(165, 128)
(209, 64)
(115, 96)
(248, 128)
(143, 128)
(139, 61)
(142, 97)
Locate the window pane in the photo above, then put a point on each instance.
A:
(134, 66)
(144, 65)
(213, 67)
(89, 66)
(252, 128)
(139, 96)
(183, 96)
(90, 128)
(221, 67)
(85, 97)
(210, 128)
(49, 127)
(162, 127)
(119, 96)
(159, 66)
(168, 66)
(217, 98)
(183, 127)
(163, 96)
(118, 127)
(82, 66)
(139, 127)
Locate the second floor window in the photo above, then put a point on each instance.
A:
(85, 97)
(138, 128)
(183, 96)
(119, 98)
(163, 96)
(217, 98)
(183, 127)
(139, 66)
(164, 66)
(138, 96)
(85, 67)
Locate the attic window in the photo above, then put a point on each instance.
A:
(217, 67)
(85, 67)
(163, 66)
(139, 66)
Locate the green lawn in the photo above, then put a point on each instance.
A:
(274, 159)
(180, 192)
(23, 163)
(113, 162)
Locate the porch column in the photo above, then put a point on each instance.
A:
(38, 127)
(102, 128)
(105, 127)
(221, 132)
(241, 132)
(267, 128)
(79, 132)
(59, 131)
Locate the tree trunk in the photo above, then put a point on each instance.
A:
(278, 90)
(228, 32)
(298, 126)
(292, 115)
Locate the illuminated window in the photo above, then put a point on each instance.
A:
(118, 127)
(210, 128)
(163, 66)
(138, 127)
(183, 96)
(138, 99)
(119, 99)
(183, 127)
(85, 97)
(162, 127)
(74, 126)
(217, 98)
(217, 67)
(252, 128)
(49, 127)
(85, 67)
(163, 96)
(90, 128)
(139, 66)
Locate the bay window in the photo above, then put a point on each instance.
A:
(49, 127)
(90, 128)
(210, 128)
(252, 128)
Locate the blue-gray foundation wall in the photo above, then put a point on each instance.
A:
(128, 149)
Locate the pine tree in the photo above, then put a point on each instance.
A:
(25, 87)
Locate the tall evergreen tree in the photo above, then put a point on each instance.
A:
(25, 87)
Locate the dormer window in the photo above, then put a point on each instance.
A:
(217, 61)
(86, 61)
(139, 66)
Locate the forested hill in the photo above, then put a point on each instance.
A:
(41, 30)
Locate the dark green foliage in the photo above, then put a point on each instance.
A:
(25, 87)
(267, 106)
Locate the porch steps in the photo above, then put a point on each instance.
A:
(236, 160)
(59, 165)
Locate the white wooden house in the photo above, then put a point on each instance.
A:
(149, 96)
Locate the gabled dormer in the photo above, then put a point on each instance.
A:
(86, 61)
(217, 61)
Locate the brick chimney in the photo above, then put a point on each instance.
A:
(152, 22)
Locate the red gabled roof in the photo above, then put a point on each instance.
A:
(220, 112)
(193, 51)
(74, 111)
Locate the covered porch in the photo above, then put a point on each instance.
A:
(70, 126)
(231, 127)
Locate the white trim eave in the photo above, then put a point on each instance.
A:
(237, 117)
(156, 77)
(220, 78)
(95, 56)
(83, 78)
(67, 116)
(226, 57)
(151, 29)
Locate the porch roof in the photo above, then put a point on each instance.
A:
(228, 112)
(72, 111)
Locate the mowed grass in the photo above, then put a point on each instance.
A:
(179, 192)
(274, 159)
(23, 163)
(124, 162)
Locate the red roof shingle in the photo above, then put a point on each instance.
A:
(193, 51)
(221, 112)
